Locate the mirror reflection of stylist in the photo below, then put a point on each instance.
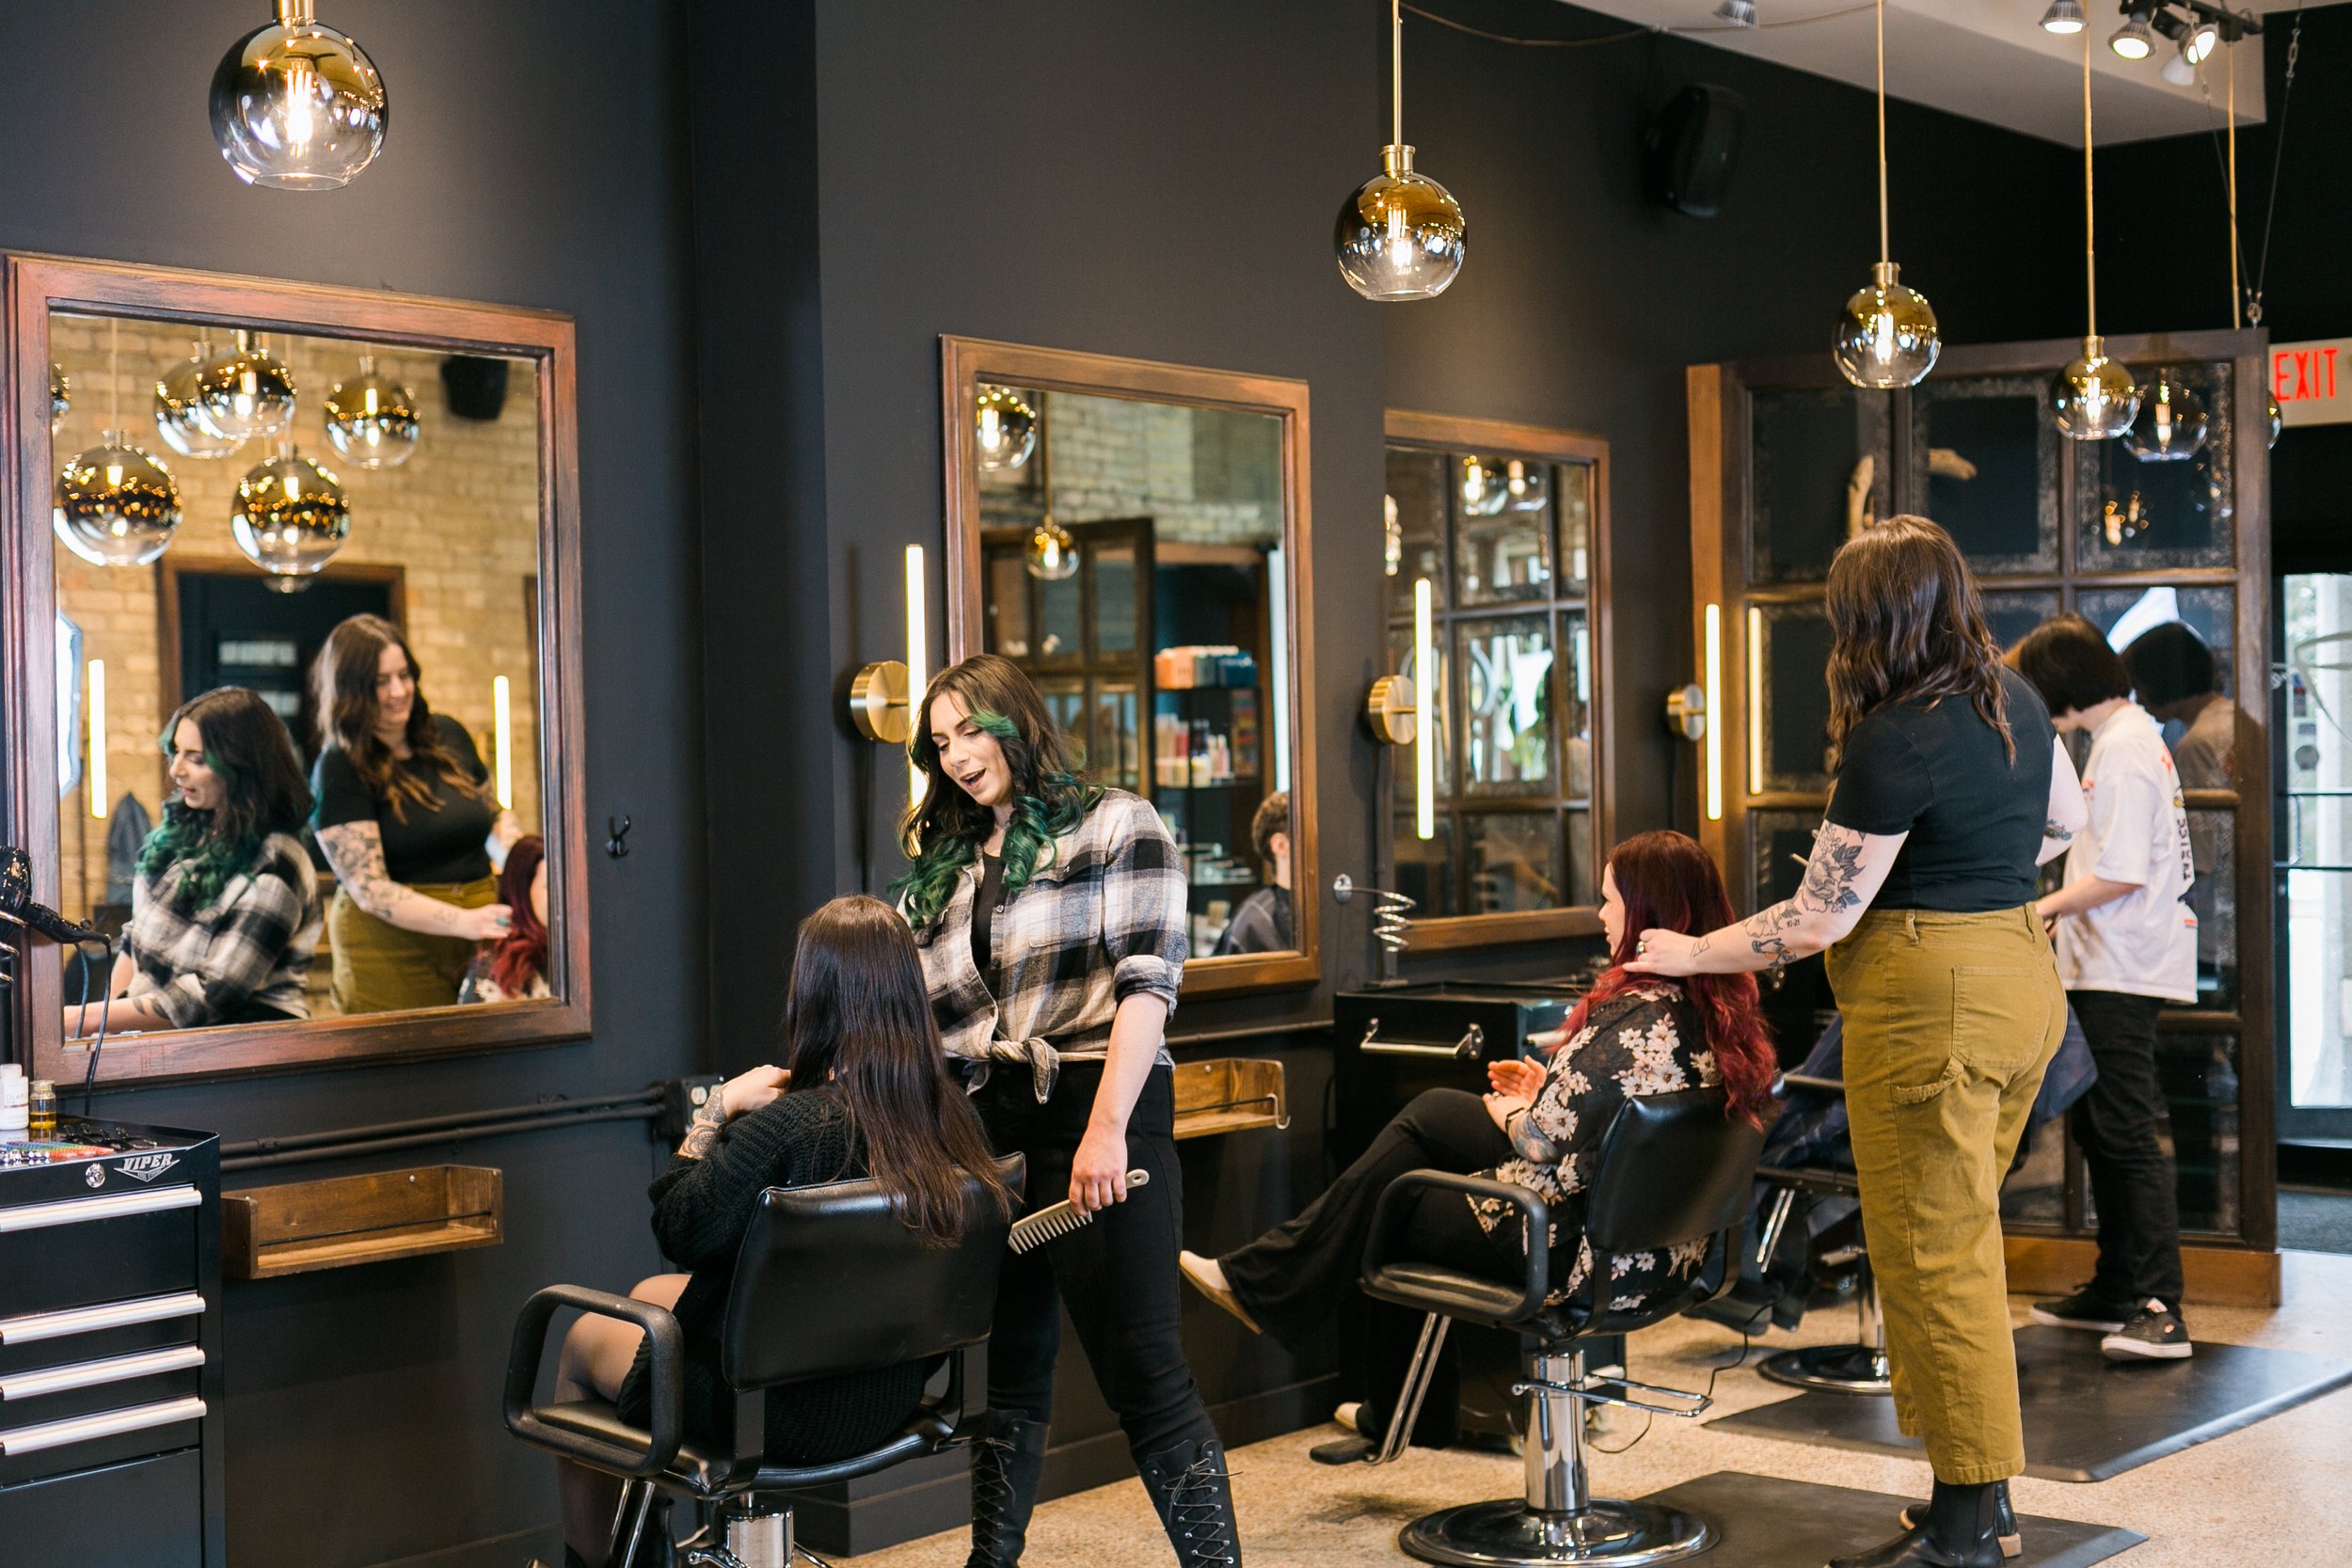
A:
(404, 815)
(1951, 790)
(1051, 917)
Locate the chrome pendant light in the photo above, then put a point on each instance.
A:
(175, 411)
(1052, 555)
(2093, 397)
(115, 506)
(1402, 235)
(2171, 424)
(371, 420)
(297, 106)
(1886, 336)
(1005, 428)
(1529, 484)
(242, 393)
(1486, 486)
(290, 517)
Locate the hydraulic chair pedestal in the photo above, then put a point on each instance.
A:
(1559, 1521)
(1856, 1369)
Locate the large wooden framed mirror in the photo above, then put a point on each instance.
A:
(1136, 535)
(292, 615)
(1509, 526)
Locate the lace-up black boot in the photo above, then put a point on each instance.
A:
(1006, 1464)
(1959, 1531)
(1195, 1500)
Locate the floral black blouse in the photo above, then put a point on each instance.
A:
(1642, 1041)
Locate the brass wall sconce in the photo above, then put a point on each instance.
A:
(1391, 710)
(883, 693)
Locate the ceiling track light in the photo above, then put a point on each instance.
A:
(2195, 27)
(1736, 13)
(2135, 39)
(2064, 18)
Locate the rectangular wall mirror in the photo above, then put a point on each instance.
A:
(1508, 526)
(306, 558)
(1133, 535)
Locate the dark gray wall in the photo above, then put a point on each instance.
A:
(536, 157)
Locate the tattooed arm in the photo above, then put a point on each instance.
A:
(1846, 872)
(356, 851)
(2067, 811)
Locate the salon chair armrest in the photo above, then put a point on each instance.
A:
(1815, 1085)
(668, 1345)
(1429, 1286)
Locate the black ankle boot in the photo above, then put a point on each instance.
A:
(2012, 1544)
(1006, 1464)
(1195, 1500)
(1959, 1531)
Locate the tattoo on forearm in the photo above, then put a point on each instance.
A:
(356, 851)
(2056, 834)
(1831, 874)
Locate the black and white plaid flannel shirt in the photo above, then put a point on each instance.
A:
(1104, 920)
(252, 943)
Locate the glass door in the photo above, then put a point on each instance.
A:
(2313, 709)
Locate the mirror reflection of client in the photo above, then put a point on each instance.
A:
(1263, 924)
(404, 815)
(867, 1094)
(1540, 1128)
(225, 909)
(514, 967)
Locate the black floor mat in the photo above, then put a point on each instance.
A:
(2086, 1418)
(1797, 1524)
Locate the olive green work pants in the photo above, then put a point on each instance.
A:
(1951, 1019)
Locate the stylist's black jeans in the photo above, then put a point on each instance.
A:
(1117, 1275)
(2115, 1124)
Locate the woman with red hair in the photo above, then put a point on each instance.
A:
(514, 967)
(1540, 1126)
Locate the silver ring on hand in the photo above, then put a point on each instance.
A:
(1641, 948)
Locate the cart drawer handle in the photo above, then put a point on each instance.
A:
(89, 1319)
(82, 1210)
(111, 1423)
(90, 1374)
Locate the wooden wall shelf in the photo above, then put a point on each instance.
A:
(301, 1226)
(1230, 1094)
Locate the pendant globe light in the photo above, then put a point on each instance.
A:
(1005, 428)
(2171, 424)
(1053, 554)
(1529, 484)
(290, 518)
(2093, 397)
(371, 420)
(115, 505)
(1886, 338)
(297, 106)
(1402, 235)
(244, 393)
(1486, 486)
(175, 411)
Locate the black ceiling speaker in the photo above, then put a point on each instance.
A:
(1690, 148)
(476, 386)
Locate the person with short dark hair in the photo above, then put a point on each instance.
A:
(1263, 924)
(225, 910)
(2126, 945)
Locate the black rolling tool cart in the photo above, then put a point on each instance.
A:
(111, 1451)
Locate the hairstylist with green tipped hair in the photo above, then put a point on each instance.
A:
(1050, 914)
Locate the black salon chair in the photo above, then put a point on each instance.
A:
(1857, 1367)
(828, 1281)
(1672, 1169)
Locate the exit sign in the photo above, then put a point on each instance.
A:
(2312, 381)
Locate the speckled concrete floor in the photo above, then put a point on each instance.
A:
(2279, 1491)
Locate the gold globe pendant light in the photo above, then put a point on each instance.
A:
(1886, 336)
(244, 393)
(176, 421)
(114, 505)
(1402, 235)
(2172, 421)
(2093, 397)
(1004, 427)
(371, 420)
(297, 106)
(290, 517)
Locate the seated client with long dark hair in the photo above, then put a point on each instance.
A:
(1540, 1126)
(866, 1093)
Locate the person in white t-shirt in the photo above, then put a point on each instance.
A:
(2126, 944)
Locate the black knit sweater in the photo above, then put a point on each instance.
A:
(701, 1209)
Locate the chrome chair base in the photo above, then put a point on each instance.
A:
(1832, 1368)
(1506, 1533)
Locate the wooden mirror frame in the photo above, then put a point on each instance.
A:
(964, 364)
(38, 285)
(1447, 432)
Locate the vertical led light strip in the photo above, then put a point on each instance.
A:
(1278, 639)
(1756, 701)
(1714, 679)
(918, 664)
(1425, 703)
(98, 738)
(503, 730)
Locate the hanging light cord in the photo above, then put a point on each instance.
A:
(2277, 161)
(1631, 33)
(1396, 72)
(1885, 252)
(2237, 298)
(2090, 232)
(2243, 301)
(114, 373)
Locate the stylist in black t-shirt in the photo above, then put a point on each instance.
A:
(1951, 789)
(405, 816)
